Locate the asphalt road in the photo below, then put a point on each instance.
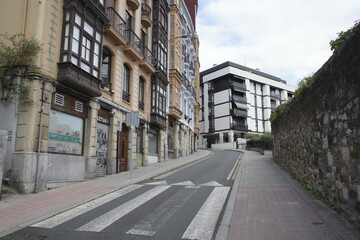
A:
(184, 205)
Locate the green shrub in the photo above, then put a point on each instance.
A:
(260, 141)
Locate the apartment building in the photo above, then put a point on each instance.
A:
(183, 79)
(237, 101)
(101, 61)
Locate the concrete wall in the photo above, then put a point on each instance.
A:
(318, 139)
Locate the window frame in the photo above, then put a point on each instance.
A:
(126, 83)
(106, 56)
(74, 20)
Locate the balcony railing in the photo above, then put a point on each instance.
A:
(126, 96)
(239, 99)
(273, 107)
(148, 55)
(134, 40)
(117, 22)
(239, 86)
(141, 105)
(274, 95)
(145, 15)
(239, 112)
(145, 10)
(239, 126)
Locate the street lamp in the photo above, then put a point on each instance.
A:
(183, 36)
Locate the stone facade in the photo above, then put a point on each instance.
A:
(318, 139)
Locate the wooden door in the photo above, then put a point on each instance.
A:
(123, 149)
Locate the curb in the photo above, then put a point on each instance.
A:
(128, 183)
(223, 230)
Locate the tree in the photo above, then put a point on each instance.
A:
(342, 37)
(16, 57)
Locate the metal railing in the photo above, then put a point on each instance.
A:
(145, 10)
(274, 95)
(148, 55)
(141, 105)
(239, 112)
(239, 126)
(126, 96)
(116, 21)
(239, 99)
(239, 86)
(134, 40)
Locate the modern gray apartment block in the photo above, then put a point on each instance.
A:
(237, 100)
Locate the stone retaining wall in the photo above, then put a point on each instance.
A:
(318, 139)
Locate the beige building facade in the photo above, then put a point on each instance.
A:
(100, 62)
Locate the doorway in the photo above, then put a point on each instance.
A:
(123, 144)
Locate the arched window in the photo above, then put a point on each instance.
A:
(106, 70)
(126, 84)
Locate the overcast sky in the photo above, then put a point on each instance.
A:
(285, 38)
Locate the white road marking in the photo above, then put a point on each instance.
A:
(74, 212)
(115, 214)
(203, 225)
(160, 183)
(187, 183)
(156, 219)
(212, 184)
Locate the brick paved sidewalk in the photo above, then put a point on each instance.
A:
(269, 204)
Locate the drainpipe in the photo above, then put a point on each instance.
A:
(40, 132)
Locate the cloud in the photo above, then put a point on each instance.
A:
(286, 38)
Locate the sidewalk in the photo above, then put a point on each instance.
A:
(266, 203)
(19, 211)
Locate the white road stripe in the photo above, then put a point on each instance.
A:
(74, 212)
(186, 183)
(157, 183)
(203, 225)
(156, 219)
(115, 214)
(212, 184)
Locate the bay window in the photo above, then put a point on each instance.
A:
(81, 43)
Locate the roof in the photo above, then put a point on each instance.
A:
(235, 65)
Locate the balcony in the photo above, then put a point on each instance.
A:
(133, 4)
(239, 126)
(116, 28)
(175, 112)
(238, 112)
(148, 61)
(134, 46)
(126, 96)
(273, 107)
(158, 120)
(239, 86)
(78, 79)
(239, 99)
(275, 96)
(145, 15)
(141, 105)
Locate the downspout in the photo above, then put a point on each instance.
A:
(39, 136)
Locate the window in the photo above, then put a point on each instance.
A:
(158, 97)
(141, 93)
(82, 47)
(65, 137)
(126, 84)
(106, 70)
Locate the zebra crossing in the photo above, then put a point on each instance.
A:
(169, 200)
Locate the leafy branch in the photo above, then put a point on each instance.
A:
(342, 37)
(16, 58)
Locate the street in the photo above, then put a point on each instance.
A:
(186, 204)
